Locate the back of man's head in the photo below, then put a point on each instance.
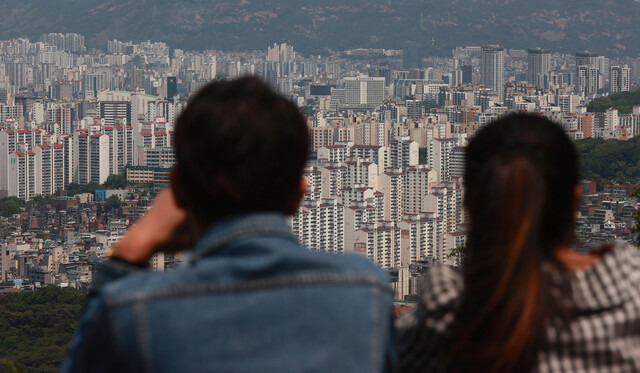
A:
(240, 148)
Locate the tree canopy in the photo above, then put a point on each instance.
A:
(10, 206)
(116, 181)
(423, 155)
(36, 327)
(610, 161)
(113, 202)
(623, 101)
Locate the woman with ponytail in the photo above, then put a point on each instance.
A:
(524, 300)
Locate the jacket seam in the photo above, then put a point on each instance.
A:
(251, 285)
(142, 336)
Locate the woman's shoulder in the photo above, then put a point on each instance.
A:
(422, 332)
(610, 282)
(440, 290)
(441, 287)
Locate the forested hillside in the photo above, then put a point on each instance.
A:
(623, 101)
(36, 327)
(609, 27)
(610, 161)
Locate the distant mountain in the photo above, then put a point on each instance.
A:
(610, 27)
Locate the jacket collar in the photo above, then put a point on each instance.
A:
(237, 227)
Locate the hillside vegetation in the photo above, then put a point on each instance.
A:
(609, 27)
(623, 101)
(36, 327)
(610, 161)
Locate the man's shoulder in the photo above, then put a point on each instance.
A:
(228, 273)
(349, 263)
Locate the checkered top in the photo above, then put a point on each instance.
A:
(602, 336)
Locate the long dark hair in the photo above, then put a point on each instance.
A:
(520, 181)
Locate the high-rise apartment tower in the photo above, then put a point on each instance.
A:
(492, 69)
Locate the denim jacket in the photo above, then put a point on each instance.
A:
(252, 299)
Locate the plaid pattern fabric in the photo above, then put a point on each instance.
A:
(603, 334)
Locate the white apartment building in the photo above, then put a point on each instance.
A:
(373, 153)
(355, 215)
(620, 79)
(81, 157)
(446, 203)
(7, 147)
(588, 80)
(440, 155)
(319, 225)
(417, 184)
(391, 185)
(30, 164)
(359, 171)
(371, 132)
(403, 153)
(364, 91)
(492, 69)
(117, 144)
(22, 173)
(160, 157)
(457, 162)
(630, 123)
(383, 243)
(365, 197)
(332, 178)
(166, 109)
(334, 153)
(423, 231)
(49, 168)
(99, 158)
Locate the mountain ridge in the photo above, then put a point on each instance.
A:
(609, 27)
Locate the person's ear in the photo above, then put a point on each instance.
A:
(177, 188)
(302, 189)
(304, 185)
(577, 198)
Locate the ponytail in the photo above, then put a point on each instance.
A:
(501, 317)
(520, 176)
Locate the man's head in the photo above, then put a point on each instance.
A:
(240, 148)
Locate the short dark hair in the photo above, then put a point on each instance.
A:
(240, 147)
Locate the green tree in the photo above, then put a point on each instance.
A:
(116, 182)
(610, 161)
(423, 156)
(10, 206)
(623, 101)
(113, 202)
(73, 188)
(36, 327)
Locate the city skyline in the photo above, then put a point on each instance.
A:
(388, 142)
